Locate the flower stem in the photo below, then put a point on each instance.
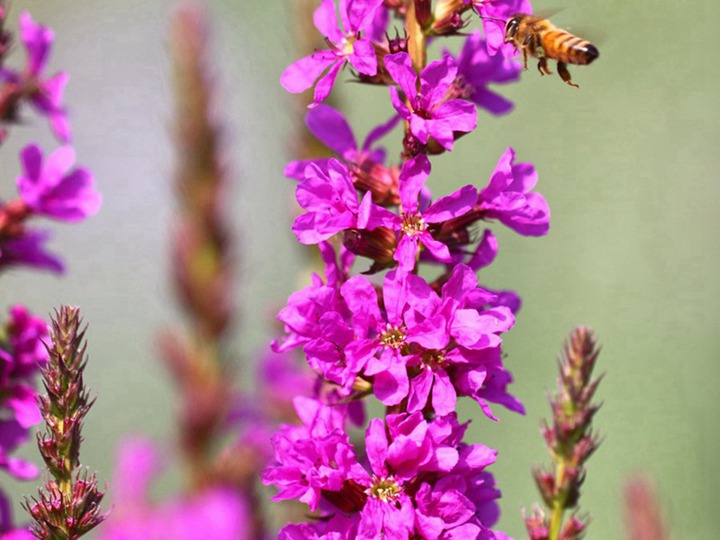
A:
(417, 40)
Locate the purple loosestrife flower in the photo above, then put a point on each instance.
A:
(346, 44)
(477, 68)
(454, 340)
(22, 354)
(332, 129)
(428, 111)
(365, 163)
(28, 250)
(45, 94)
(328, 195)
(7, 530)
(381, 337)
(509, 199)
(52, 189)
(421, 481)
(493, 14)
(412, 223)
(217, 513)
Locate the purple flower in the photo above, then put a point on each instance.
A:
(28, 250)
(22, 354)
(346, 45)
(430, 114)
(444, 512)
(404, 452)
(452, 334)
(12, 436)
(217, 513)
(331, 128)
(338, 527)
(493, 15)
(412, 223)
(509, 199)
(328, 195)
(312, 458)
(478, 68)
(7, 530)
(49, 189)
(45, 94)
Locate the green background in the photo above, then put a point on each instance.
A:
(628, 164)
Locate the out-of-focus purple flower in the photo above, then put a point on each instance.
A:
(477, 69)
(328, 195)
(45, 94)
(331, 128)
(217, 513)
(412, 223)
(430, 113)
(7, 530)
(22, 354)
(493, 14)
(51, 189)
(509, 199)
(28, 250)
(280, 378)
(346, 44)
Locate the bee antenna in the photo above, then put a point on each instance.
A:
(493, 19)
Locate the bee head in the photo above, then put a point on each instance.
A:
(511, 27)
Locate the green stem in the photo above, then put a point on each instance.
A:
(558, 508)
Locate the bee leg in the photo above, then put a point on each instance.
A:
(542, 66)
(565, 74)
(525, 58)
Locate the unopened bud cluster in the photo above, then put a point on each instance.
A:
(570, 440)
(68, 506)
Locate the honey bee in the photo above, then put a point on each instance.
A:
(543, 40)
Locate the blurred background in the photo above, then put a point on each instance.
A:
(628, 164)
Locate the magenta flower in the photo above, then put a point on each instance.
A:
(477, 69)
(452, 334)
(405, 452)
(217, 513)
(28, 250)
(22, 354)
(7, 530)
(509, 199)
(45, 93)
(380, 337)
(412, 223)
(346, 45)
(430, 113)
(328, 195)
(315, 457)
(49, 189)
(337, 527)
(493, 15)
(331, 128)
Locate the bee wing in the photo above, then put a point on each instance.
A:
(547, 13)
(590, 33)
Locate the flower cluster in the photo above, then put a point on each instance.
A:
(416, 344)
(22, 354)
(49, 184)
